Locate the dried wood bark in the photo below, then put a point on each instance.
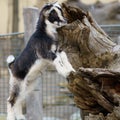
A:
(95, 57)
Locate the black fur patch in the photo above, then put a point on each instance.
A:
(53, 16)
(38, 45)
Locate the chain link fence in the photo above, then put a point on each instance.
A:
(57, 100)
(113, 31)
(9, 44)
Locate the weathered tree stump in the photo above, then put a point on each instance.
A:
(96, 59)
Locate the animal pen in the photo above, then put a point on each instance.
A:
(57, 101)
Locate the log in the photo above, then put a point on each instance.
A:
(96, 82)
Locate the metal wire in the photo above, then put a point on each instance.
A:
(113, 31)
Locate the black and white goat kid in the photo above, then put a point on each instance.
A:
(41, 50)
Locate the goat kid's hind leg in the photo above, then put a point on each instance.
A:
(34, 73)
(10, 111)
(14, 105)
(14, 91)
(26, 87)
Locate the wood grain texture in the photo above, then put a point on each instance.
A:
(96, 82)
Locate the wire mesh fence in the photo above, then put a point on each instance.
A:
(9, 44)
(58, 102)
(113, 31)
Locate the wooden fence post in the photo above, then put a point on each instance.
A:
(34, 101)
(30, 19)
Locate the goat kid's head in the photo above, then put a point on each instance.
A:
(52, 14)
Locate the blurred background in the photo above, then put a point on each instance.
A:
(11, 11)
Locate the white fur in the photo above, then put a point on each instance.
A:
(62, 64)
(10, 59)
(53, 48)
(18, 110)
(10, 112)
(59, 13)
(34, 73)
(51, 28)
(66, 61)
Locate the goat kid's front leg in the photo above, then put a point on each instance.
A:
(62, 64)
